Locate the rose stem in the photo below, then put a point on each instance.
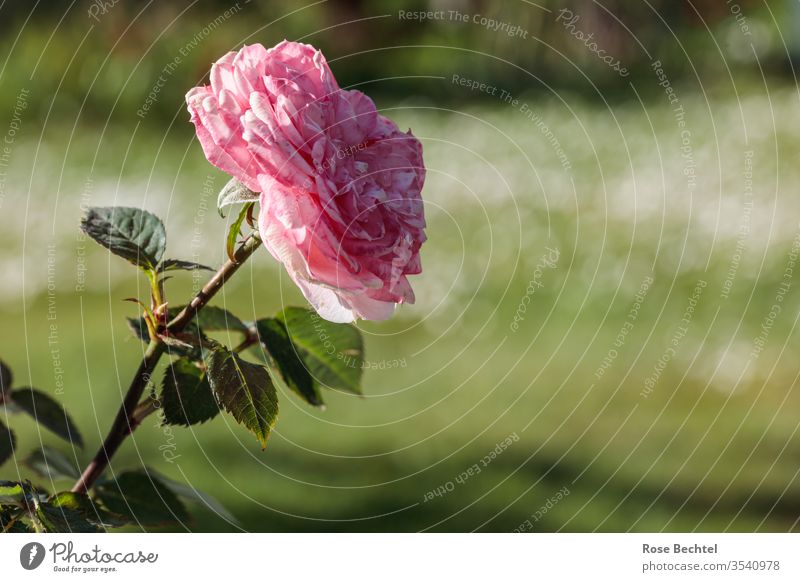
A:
(124, 423)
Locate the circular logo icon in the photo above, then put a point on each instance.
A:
(31, 555)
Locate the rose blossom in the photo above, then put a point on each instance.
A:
(339, 183)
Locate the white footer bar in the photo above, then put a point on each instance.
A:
(402, 557)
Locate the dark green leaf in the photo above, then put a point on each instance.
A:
(179, 265)
(186, 396)
(70, 500)
(11, 521)
(234, 192)
(11, 493)
(5, 380)
(51, 464)
(245, 390)
(191, 494)
(212, 318)
(83, 505)
(142, 499)
(63, 519)
(235, 229)
(131, 233)
(332, 352)
(276, 341)
(138, 327)
(186, 344)
(7, 441)
(48, 413)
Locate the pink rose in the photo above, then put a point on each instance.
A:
(340, 184)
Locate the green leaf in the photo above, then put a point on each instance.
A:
(212, 318)
(177, 346)
(131, 233)
(181, 344)
(7, 442)
(186, 344)
(179, 265)
(63, 518)
(189, 493)
(88, 509)
(12, 493)
(76, 501)
(333, 353)
(48, 413)
(234, 192)
(275, 339)
(245, 390)
(186, 396)
(11, 521)
(139, 328)
(5, 380)
(141, 498)
(235, 229)
(51, 464)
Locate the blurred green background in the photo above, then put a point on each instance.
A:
(678, 424)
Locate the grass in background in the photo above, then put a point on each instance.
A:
(713, 446)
